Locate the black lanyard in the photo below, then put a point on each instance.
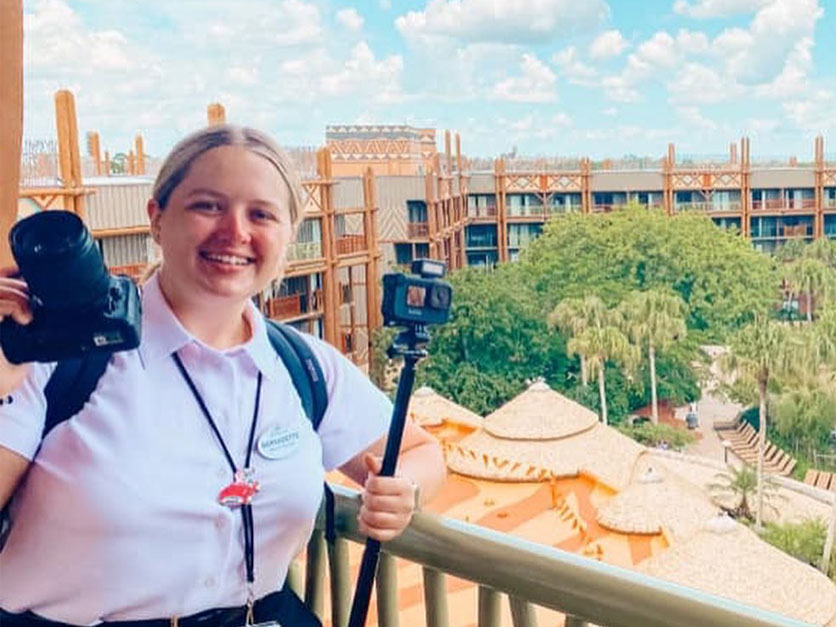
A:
(247, 509)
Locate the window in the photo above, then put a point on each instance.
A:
(403, 254)
(417, 210)
(481, 236)
(422, 250)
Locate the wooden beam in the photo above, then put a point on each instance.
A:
(215, 114)
(11, 117)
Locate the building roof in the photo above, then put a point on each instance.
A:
(728, 559)
(427, 408)
(657, 499)
(539, 413)
(564, 446)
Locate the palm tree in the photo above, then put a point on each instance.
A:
(824, 341)
(653, 319)
(739, 483)
(811, 277)
(598, 344)
(572, 316)
(763, 350)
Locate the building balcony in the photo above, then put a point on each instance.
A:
(783, 203)
(347, 244)
(294, 305)
(829, 203)
(304, 250)
(482, 212)
(418, 230)
(133, 271)
(529, 574)
(708, 206)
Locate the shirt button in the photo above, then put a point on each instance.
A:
(209, 582)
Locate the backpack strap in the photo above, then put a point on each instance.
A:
(309, 382)
(303, 367)
(70, 386)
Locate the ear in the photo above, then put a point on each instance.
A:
(154, 216)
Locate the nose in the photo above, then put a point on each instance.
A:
(234, 225)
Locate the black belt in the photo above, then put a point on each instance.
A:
(282, 606)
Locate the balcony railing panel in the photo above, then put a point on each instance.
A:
(482, 212)
(347, 244)
(581, 588)
(417, 229)
(304, 250)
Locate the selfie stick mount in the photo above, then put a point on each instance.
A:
(409, 344)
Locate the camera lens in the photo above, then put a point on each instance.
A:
(440, 297)
(59, 260)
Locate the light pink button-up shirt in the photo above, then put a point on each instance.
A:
(118, 518)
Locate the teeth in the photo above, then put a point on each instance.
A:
(231, 259)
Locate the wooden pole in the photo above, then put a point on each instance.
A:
(216, 114)
(11, 118)
(94, 149)
(329, 248)
(139, 145)
(69, 157)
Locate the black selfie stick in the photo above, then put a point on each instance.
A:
(410, 344)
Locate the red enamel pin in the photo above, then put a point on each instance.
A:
(241, 491)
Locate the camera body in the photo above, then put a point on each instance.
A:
(54, 335)
(417, 300)
(77, 306)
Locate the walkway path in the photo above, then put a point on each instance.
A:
(710, 408)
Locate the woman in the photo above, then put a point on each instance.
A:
(119, 517)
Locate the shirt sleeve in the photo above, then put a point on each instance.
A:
(358, 412)
(23, 412)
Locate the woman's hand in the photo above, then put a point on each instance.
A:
(388, 502)
(14, 302)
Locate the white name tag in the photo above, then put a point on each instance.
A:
(278, 442)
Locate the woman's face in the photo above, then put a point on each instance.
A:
(225, 231)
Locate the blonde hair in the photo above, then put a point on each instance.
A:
(179, 160)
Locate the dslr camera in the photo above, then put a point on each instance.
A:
(78, 306)
(417, 300)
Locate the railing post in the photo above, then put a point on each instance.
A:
(294, 578)
(522, 613)
(315, 574)
(489, 603)
(340, 581)
(435, 598)
(387, 591)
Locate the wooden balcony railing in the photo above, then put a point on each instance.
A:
(305, 250)
(529, 574)
(417, 229)
(347, 244)
(292, 305)
(134, 271)
(482, 212)
(769, 203)
(708, 206)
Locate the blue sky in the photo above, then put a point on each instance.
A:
(567, 77)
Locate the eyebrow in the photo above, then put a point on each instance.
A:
(211, 192)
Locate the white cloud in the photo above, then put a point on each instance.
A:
(701, 84)
(759, 54)
(535, 84)
(816, 113)
(792, 81)
(363, 71)
(692, 42)
(561, 120)
(350, 18)
(243, 75)
(508, 21)
(608, 44)
(385, 4)
(618, 89)
(717, 8)
(570, 65)
(609, 111)
(694, 117)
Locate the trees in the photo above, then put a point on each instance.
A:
(653, 319)
(720, 278)
(599, 343)
(813, 278)
(760, 351)
(573, 316)
(739, 484)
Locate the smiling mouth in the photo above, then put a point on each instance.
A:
(232, 260)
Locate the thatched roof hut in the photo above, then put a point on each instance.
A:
(655, 500)
(540, 434)
(428, 408)
(728, 559)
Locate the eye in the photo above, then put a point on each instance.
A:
(263, 215)
(208, 206)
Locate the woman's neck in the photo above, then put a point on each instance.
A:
(221, 324)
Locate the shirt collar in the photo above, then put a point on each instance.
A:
(163, 334)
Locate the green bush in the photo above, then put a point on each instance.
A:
(804, 541)
(653, 435)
